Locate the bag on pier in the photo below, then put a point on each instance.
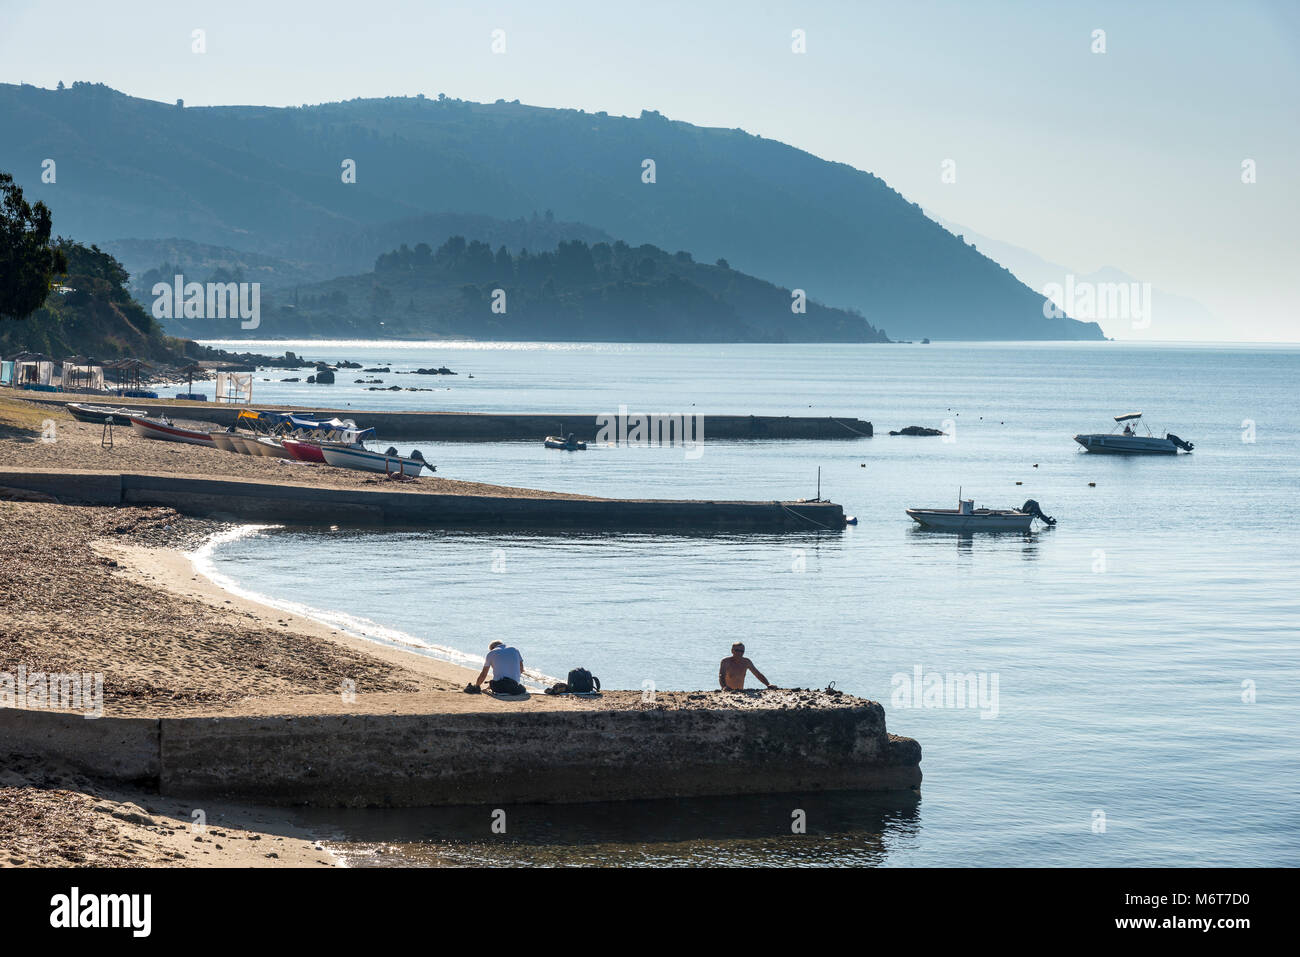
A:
(582, 681)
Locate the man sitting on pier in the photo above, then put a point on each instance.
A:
(731, 673)
(507, 667)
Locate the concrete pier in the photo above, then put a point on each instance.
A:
(378, 759)
(301, 504)
(489, 426)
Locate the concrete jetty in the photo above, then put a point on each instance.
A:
(304, 504)
(371, 757)
(491, 426)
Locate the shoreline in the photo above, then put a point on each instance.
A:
(178, 571)
(257, 706)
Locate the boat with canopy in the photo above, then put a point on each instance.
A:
(1124, 439)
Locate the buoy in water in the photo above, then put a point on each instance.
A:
(1092, 485)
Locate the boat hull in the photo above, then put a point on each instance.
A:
(367, 461)
(303, 451)
(949, 520)
(223, 441)
(154, 429)
(272, 449)
(554, 442)
(98, 414)
(1111, 444)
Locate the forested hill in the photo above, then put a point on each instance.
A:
(269, 180)
(575, 292)
(90, 312)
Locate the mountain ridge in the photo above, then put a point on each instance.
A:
(261, 178)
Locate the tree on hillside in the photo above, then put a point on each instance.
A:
(28, 263)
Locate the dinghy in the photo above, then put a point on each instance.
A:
(224, 441)
(99, 414)
(569, 443)
(160, 428)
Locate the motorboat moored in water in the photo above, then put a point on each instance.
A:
(1127, 441)
(569, 443)
(967, 518)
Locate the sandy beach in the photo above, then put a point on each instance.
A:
(113, 591)
(71, 444)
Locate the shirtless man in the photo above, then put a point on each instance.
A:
(731, 673)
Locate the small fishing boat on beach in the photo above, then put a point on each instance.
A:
(288, 435)
(967, 518)
(161, 428)
(1128, 442)
(569, 443)
(99, 414)
(363, 459)
(239, 442)
(303, 450)
(272, 448)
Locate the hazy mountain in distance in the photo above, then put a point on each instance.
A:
(1171, 316)
(264, 179)
(339, 251)
(574, 292)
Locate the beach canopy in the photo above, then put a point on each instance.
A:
(344, 430)
(1127, 416)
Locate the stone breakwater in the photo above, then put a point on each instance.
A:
(619, 748)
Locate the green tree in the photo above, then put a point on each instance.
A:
(28, 263)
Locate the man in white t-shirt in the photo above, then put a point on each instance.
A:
(507, 667)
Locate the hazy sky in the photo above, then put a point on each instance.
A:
(1130, 158)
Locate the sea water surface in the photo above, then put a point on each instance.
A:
(1139, 660)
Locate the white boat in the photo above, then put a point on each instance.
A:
(365, 460)
(271, 448)
(223, 440)
(160, 428)
(967, 518)
(239, 442)
(1127, 441)
(569, 443)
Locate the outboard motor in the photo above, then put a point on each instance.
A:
(1185, 446)
(419, 457)
(1031, 508)
(392, 450)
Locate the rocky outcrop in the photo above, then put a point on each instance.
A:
(917, 430)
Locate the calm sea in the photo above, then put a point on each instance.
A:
(1139, 661)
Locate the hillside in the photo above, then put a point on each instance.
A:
(91, 313)
(267, 180)
(345, 250)
(577, 292)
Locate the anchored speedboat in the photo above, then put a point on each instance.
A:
(1128, 442)
(967, 518)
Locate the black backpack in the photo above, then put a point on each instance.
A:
(582, 681)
